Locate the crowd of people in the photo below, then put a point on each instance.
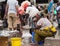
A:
(37, 17)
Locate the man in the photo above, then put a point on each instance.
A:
(58, 13)
(58, 6)
(44, 29)
(11, 11)
(31, 11)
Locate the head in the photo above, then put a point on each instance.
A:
(58, 4)
(43, 15)
(45, 11)
(36, 18)
(49, 0)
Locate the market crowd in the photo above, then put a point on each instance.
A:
(39, 18)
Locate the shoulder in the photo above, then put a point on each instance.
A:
(40, 20)
(28, 7)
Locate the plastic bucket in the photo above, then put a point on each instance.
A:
(16, 41)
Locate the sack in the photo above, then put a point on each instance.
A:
(5, 24)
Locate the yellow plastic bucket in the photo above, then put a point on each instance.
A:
(16, 41)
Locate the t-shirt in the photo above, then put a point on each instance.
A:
(32, 11)
(55, 12)
(44, 22)
(58, 8)
(12, 4)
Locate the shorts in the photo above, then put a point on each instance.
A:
(12, 20)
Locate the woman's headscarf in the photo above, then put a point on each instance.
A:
(25, 4)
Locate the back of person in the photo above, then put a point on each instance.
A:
(44, 22)
(12, 9)
(32, 11)
(12, 4)
(46, 25)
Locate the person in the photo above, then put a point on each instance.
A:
(43, 29)
(21, 15)
(31, 11)
(11, 13)
(3, 10)
(58, 13)
(58, 6)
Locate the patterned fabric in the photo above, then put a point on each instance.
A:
(40, 35)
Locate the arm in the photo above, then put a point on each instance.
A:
(17, 9)
(16, 6)
(6, 10)
(38, 25)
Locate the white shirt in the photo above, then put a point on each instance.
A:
(44, 22)
(32, 11)
(58, 8)
(12, 4)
